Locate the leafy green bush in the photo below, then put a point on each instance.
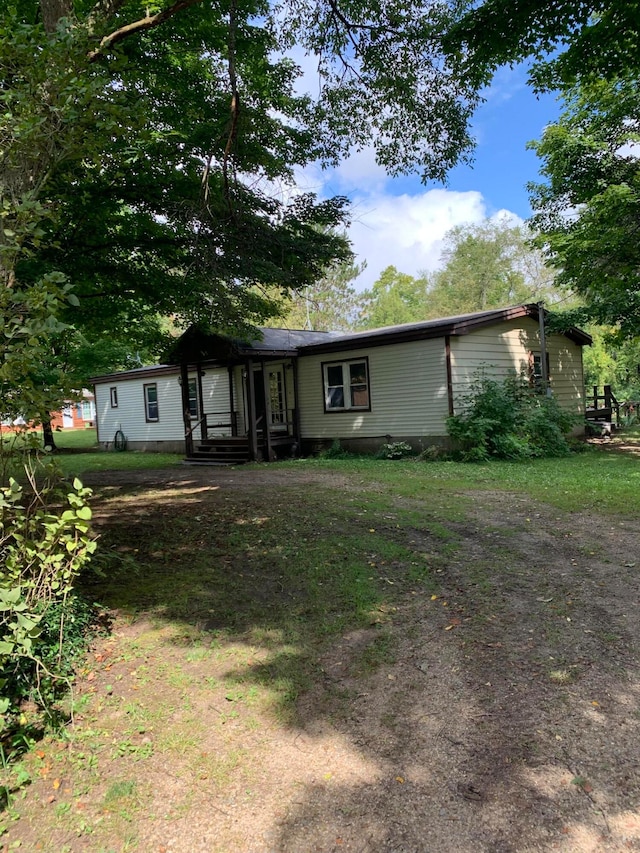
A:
(43, 548)
(507, 419)
(395, 450)
(336, 451)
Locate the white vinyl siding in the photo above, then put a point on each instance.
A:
(216, 401)
(407, 393)
(565, 370)
(130, 414)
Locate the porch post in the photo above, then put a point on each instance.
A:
(296, 408)
(267, 410)
(204, 432)
(232, 415)
(251, 412)
(184, 393)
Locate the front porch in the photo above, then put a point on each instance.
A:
(259, 382)
(232, 448)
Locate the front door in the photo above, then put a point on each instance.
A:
(277, 397)
(258, 398)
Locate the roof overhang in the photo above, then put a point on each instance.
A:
(447, 327)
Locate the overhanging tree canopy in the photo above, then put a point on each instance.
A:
(147, 162)
(567, 39)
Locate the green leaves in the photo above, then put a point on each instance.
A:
(42, 552)
(589, 207)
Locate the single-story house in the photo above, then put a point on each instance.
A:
(298, 391)
(78, 415)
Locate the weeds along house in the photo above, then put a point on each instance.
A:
(222, 399)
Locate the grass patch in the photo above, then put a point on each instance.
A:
(131, 460)
(378, 653)
(80, 454)
(76, 439)
(595, 479)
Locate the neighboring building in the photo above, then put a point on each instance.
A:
(78, 415)
(399, 383)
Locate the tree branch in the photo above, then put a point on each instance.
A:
(235, 103)
(146, 23)
(103, 10)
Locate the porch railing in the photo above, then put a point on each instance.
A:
(214, 425)
(603, 406)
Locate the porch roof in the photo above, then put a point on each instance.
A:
(196, 346)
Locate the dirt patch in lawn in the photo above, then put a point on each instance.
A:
(493, 708)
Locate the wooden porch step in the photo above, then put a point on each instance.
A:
(230, 450)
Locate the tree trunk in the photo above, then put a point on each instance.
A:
(52, 11)
(47, 436)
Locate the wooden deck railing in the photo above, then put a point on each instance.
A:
(610, 405)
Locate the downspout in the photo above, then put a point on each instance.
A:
(95, 400)
(296, 409)
(447, 356)
(204, 429)
(232, 414)
(546, 388)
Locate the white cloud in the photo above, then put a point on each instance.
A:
(407, 231)
(404, 230)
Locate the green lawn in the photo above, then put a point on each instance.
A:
(76, 439)
(90, 457)
(79, 453)
(258, 604)
(599, 478)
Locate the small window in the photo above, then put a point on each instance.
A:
(151, 402)
(535, 370)
(113, 393)
(346, 385)
(193, 399)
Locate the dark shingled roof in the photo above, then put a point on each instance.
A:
(196, 346)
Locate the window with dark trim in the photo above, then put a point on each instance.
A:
(151, 402)
(193, 399)
(346, 385)
(535, 370)
(113, 394)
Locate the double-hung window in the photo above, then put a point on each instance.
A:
(151, 402)
(346, 385)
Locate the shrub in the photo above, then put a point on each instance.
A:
(394, 450)
(507, 419)
(43, 548)
(336, 451)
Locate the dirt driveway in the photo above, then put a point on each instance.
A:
(505, 716)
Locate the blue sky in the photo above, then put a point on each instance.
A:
(402, 222)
